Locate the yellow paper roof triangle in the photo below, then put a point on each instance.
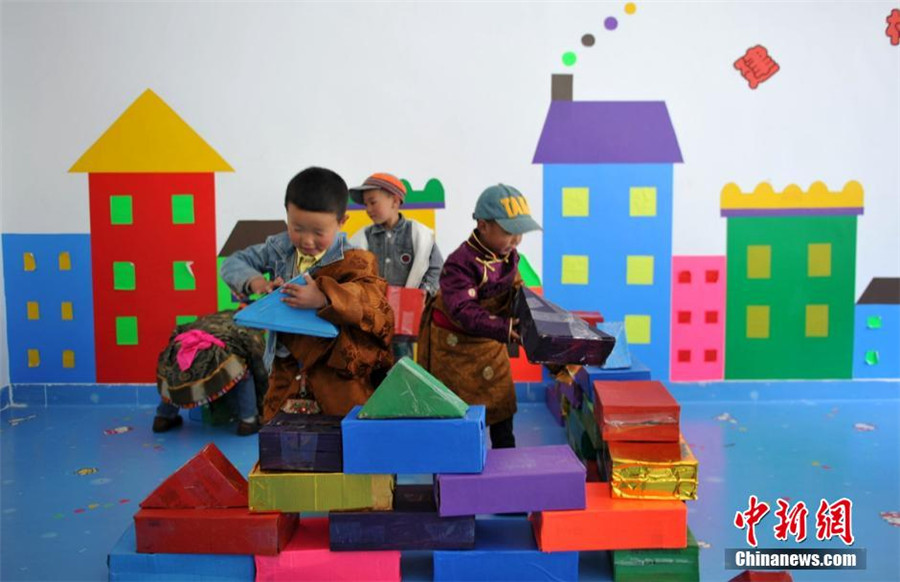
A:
(149, 137)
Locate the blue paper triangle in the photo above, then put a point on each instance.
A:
(620, 356)
(269, 312)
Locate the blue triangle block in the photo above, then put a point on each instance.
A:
(269, 312)
(620, 356)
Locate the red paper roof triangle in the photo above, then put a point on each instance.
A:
(208, 480)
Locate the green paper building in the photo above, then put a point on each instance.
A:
(791, 281)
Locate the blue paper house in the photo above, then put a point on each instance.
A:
(49, 308)
(876, 342)
(608, 169)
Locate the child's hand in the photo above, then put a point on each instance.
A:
(259, 285)
(514, 336)
(304, 296)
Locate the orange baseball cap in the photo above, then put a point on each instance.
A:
(380, 181)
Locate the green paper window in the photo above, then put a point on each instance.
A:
(120, 211)
(872, 357)
(126, 331)
(123, 276)
(183, 276)
(182, 319)
(873, 322)
(182, 209)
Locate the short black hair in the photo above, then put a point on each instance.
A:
(318, 190)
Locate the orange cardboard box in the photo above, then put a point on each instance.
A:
(609, 523)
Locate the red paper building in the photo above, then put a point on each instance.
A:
(153, 236)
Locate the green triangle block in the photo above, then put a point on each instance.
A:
(409, 391)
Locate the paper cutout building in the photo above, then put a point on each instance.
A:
(244, 234)
(607, 216)
(876, 351)
(49, 308)
(791, 280)
(153, 234)
(698, 318)
(410, 391)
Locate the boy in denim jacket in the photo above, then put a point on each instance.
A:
(342, 284)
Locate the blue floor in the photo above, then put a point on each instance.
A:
(75, 465)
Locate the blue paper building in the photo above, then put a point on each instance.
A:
(876, 342)
(504, 550)
(49, 308)
(414, 445)
(608, 169)
(125, 564)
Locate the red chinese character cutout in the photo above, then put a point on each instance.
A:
(748, 519)
(791, 522)
(893, 28)
(834, 520)
(756, 65)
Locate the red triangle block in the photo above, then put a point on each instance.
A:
(763, 576)
(208, 480)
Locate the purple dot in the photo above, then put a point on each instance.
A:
(611, 23)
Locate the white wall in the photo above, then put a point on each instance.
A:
(458, 91)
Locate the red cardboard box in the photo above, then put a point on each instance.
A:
(636, 411)
(212, 531)
(408, 305)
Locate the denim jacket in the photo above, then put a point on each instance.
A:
(396, 252)
(278, 257)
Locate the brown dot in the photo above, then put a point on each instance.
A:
(587, 40)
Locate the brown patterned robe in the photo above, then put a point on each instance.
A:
(337, 371)
(466, 348)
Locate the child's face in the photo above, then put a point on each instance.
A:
(381, 206)
(312, 232)
(496, 239)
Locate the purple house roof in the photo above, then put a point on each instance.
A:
(607, 132)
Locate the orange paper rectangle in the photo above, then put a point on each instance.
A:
(609, 523)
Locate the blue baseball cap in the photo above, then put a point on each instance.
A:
(508, 207)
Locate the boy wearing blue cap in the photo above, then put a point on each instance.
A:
(466, 327)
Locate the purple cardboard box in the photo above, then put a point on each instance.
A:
(515, 480)
(572, 392)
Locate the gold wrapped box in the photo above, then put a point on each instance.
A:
(645, 470)
(320, 492)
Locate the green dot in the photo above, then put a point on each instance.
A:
(569, 58)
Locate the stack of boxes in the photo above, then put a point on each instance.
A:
(649, 471)
(200, 512)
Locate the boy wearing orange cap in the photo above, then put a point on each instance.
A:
(404, 248)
